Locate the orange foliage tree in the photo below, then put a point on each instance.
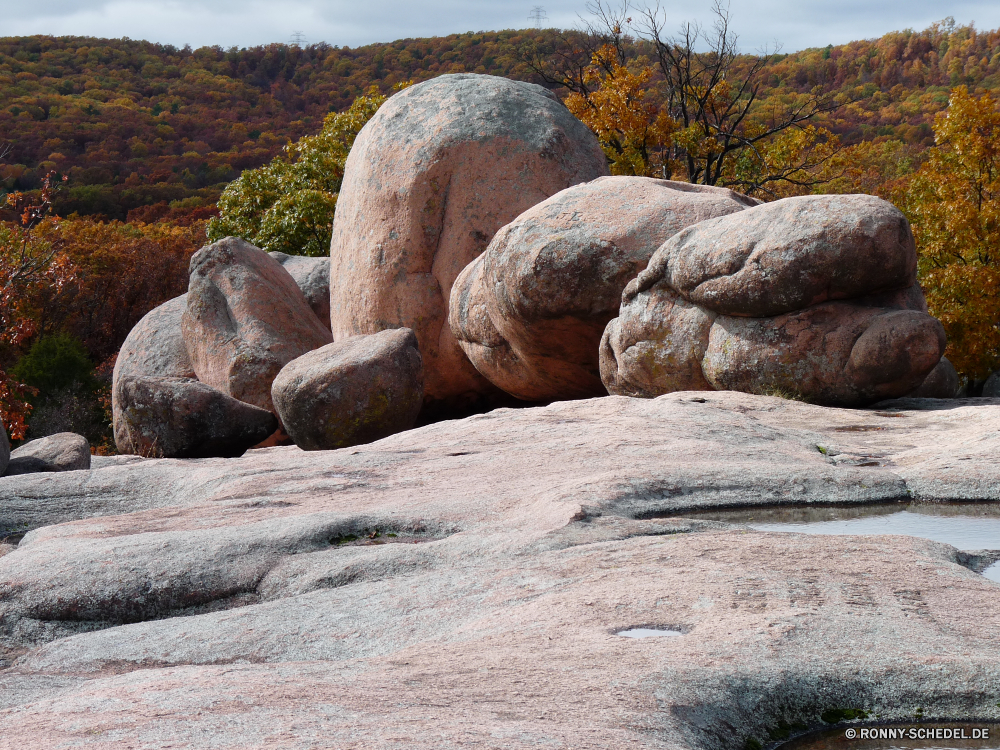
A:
(27, 265)
(634, 132)
(953, 203)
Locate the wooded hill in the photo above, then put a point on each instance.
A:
(148, 130)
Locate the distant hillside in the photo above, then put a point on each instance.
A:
(136, 124)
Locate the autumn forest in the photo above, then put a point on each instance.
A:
(116, 155)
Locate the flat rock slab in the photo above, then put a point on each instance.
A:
(462, 584)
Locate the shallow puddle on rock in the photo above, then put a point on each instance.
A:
(648, 632)
(966, 526)
(993, 573)
(838, 739)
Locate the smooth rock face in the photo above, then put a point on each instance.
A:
(790, 254)
(941, 383)
(354, 391)
(64, 451)
(313, 277)
(184, 418)
(153, 348)
(246, 318)
(267, 593)
(429, 181)
(530, 311)
(991, 388)
(814, 297)
(4, 450)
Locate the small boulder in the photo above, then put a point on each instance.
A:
(814, 297)
(154, 348)
(182, 418)
(246, 318)
(429, 181)
(354, 391)
(64, 451)
(943, 383)
(530, 311)
(313, 277)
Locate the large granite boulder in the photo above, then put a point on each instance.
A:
(813, 296)
(313, 277)
(530, 311)
(183, 418)
(154, 348)
(430, 179)
(64, 451)
(246, 318)
(354, 391)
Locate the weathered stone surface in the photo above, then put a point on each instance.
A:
(430, 179)
(942, 383)
(313, 277)
(64, 451)
(354, 391)
(991, 388)
(532, 559)
(790, 254)
(153, 348)
(811, 296)
(530, 311)
(246, 318)
(184, 418)
(4, 450)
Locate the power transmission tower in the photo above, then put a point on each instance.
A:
(297, 39)
(538, 15)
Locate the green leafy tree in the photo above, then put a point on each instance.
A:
(288, 204)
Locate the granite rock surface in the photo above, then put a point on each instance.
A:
(154, 348)
(64, 451)
(313, 277)
(185, 418)
(430, 179)
(245, 319)
(813, 296)
(530, 311)
(356, 390)
(463, 584)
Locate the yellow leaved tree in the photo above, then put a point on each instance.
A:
(953, 203)
(634, 133)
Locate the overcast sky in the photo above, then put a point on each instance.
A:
(796, 24)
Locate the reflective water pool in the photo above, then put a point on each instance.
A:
(648, 632)
(967, 526)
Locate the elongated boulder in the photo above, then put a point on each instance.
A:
(429, 181)
(814, 297)
(354, 391)
(183, 418)
(64, 451)
(246, 318)
(153, 348)
(313, 277)
(530, 311)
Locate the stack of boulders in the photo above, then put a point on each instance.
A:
(480, 251)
